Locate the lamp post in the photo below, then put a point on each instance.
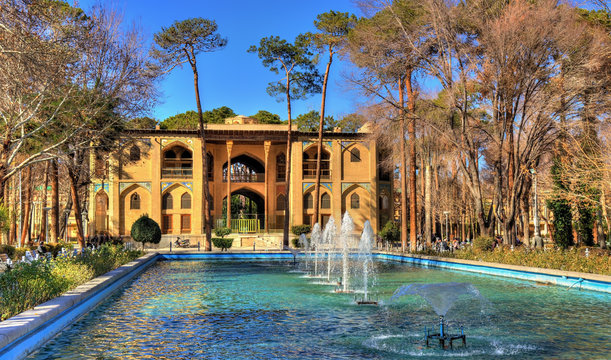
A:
(537, 237)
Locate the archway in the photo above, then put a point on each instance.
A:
(245, 169)
(246, 204)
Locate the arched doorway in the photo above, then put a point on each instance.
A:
(246, 204)
(245, 169)
(101, 212)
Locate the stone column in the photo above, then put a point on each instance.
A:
(229, 147)
(266, 145)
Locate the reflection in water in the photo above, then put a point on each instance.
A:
(234, 310)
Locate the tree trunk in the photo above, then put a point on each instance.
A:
(25, 225)
(54, 225)
(12, 236)
(411, 130)
(205, 185)
(320, 134)
(289, 146)
(603, 206)
(42, 237)
(427, 204)
(77, 207)
(526, 219)
(403, 171)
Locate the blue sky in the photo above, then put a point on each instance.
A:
(232, 77)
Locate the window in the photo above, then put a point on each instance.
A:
(355, 155)
(325, 201)
(167, 202)
(308, 201)
(383, 202)
(354, 201)
(210, 159)
(134, 153)
(280, 202)
(185, 201)
(134, 202)
(281, 167)
(185, 223)
(166, 224)
(177, 162)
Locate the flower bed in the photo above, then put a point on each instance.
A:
(30, 284)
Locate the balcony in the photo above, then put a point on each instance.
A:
(177, 172)
(246, 178)
(309, 169)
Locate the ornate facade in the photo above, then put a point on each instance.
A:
(161, 175)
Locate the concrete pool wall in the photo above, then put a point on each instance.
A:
(28, 331)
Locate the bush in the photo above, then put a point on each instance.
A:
(301, 229)
(483, 243)
(146, 230)
(19, 253)
(222, 231)
(296, 243)
(222, 243)
(391, 232)
(8, 250)
(562, 221)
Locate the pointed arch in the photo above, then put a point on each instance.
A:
(134, 201)
(167, 202)
(185, 200)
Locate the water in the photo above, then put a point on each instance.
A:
(261, 310)
(345, 235)
(316, 244)
(441, 296)
(365, 260)
(329, 234)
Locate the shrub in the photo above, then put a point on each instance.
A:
(563, 222)
(222, 243)
(483, 243)
(391, 232)
(296, 243)
(146, 230)
(8, 250)
(5, 218)
(222, 231)
(301, 229)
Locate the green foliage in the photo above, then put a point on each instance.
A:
(222, 231)
(585, 225)
(265, 117)
(8, 250)
(309, 121)
(391, 232)
(296, 243)
(222, 243)
(301, 229)
(296, 64)
(562, 222)
(19, 253)
(30, 284)
(351, 122)
(5, 218)
(146, 230)
(144, 122)
(189, 119)
(483, 243)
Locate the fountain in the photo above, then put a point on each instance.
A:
(366, 259)
(316, 243)
(329, 234)
(305, 245)
(441, 297)
(344, 237)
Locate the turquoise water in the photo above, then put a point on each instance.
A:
(267, 310)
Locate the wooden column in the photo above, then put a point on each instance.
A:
(266, 144)
(229, 146)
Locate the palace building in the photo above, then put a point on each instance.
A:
(161, 175)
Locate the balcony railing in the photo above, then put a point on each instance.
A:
(309, 169)
(246, 178)
(177, 172)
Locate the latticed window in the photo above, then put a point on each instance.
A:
(166, 224)
(134, 153)
(280, 202)
(354, 201)
(134, 201)
(185, 201)
(185, 223)
(281, 167)
(308, 201)
(167, 202)
(325, 201)
(355, 155)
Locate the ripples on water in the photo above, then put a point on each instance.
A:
(263, 310)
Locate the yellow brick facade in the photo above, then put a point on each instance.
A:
(161, 175)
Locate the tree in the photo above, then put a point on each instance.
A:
(265, 117)
(310, 121)
(333, 28)
(143, 122)
(352, 122)
(189, 120)
(180, 44)
(146, 230)
(300, 78)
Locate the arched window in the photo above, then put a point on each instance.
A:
(185, 201)
(383, 202)
(355, 155)
(309, 163)
(308, 201)
(280, 202)
(281, 167)
(167, 202)
(325, 201)
(134, 201)
(134, 153)
(355, 201)
(177, 162)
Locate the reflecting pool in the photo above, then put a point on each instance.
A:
(268, 310)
